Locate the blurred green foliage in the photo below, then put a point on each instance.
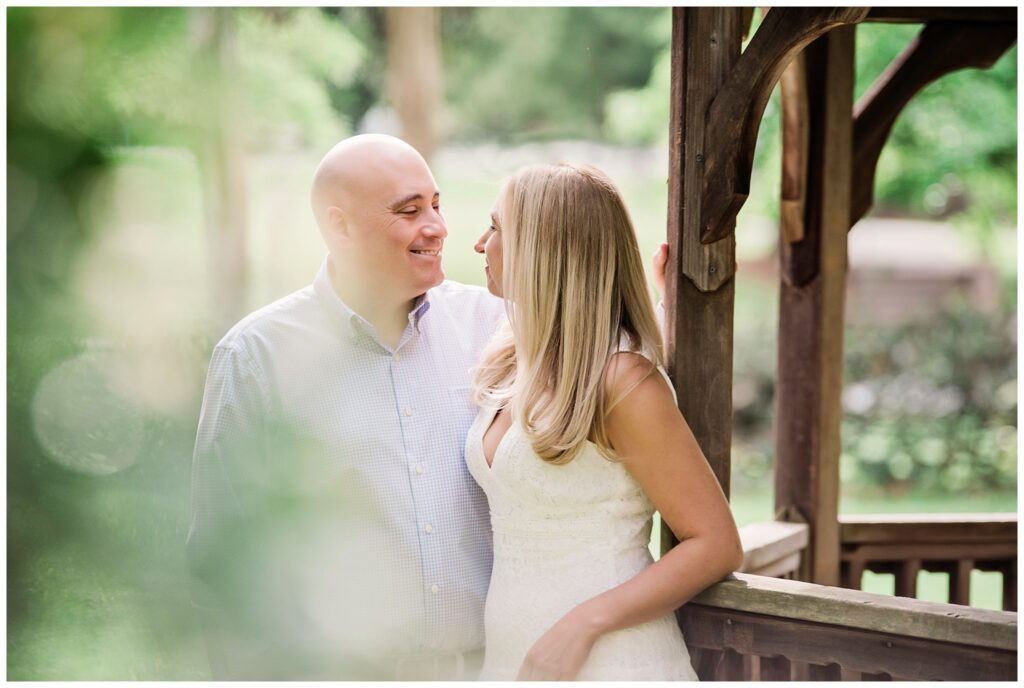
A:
(127, 76)
(517, 73)
(933, 405)
(930, 406)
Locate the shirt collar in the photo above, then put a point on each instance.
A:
(352, 323)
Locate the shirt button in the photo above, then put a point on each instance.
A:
(434, 589)
(428, 529)
(408, 411)
(419, 469)
(397, 357)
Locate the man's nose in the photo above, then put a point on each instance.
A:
(436, 229)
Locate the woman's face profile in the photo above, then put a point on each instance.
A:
(489, 244)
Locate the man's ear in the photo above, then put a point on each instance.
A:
(338, 222)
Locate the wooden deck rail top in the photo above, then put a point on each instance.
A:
(773, 548)
(920, 528)
(868, 611)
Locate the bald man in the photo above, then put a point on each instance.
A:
(336, 532)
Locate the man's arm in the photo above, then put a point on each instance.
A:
(230, 449)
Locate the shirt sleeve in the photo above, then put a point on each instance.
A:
(229, 453)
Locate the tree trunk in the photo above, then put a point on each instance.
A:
(414, 73)
(220, 158)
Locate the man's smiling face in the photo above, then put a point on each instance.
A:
(396, 230)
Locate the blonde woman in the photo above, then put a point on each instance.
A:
(578, 441)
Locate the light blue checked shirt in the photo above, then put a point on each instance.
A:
(346, 458)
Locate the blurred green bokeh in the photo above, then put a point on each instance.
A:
(112, 313)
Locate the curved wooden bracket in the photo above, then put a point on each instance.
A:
(940, 48)
(734, 116)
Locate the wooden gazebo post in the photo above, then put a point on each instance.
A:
(811, 302)
(717, 100)
(756, 626)
(699, 285)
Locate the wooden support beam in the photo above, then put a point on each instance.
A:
(940, 48)
(700, 288)
(912, 15)
(811, 314)
(735, 113)
(795, 131)
(705, 42)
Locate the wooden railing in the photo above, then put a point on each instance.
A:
(905, 544)
(773, 548)
(759, 628)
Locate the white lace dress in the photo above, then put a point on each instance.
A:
(563, 534)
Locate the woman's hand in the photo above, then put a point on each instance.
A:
(560, 653)
(658, 263)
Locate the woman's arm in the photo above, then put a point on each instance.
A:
(655, 444)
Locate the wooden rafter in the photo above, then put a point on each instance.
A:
(912, 15)
(940, 48)
(735, 113)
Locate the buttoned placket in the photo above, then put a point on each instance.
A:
(409, 417)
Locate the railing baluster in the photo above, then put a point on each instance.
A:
(1010, 586)
(875, 677)
(731, 668)
(853, 573)
(705, 663)
(960, 581)
(906, 577)
(776, 668)
(751, 668)
(825, 672)
(846, 674)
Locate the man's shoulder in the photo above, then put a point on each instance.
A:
(286, 311)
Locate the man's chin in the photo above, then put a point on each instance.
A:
(429, 282)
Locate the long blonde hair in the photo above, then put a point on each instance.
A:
(574, 286)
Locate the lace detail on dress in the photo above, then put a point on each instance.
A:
(563, 534)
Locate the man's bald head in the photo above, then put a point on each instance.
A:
(352, 167)
(379, 211)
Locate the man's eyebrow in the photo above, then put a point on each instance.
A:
(404, 200)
